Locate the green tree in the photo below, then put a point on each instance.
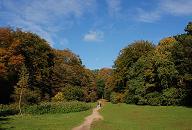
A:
(182, 51)
(129, 70)
(72, 93)
(188, 28)
(100, 88)
(126, 59)
(101, 78)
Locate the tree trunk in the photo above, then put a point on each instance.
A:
(20, 99)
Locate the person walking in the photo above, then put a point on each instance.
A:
(99, 104)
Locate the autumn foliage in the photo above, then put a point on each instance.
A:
(49, 70)
(146, 74)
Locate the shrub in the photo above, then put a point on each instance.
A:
(113, 98)
(72, 93)
(93, 96)
(116, 97)
(130, 98)
(142, 101)
(59, 97)
(6, 110)
(173, 96)
(57, 107)
(154, 99)
(32, 97)
(28, 97)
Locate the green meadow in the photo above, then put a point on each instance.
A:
(43, 122)
(133, 117)
(116, 117)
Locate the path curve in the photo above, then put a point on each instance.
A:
(86, 125)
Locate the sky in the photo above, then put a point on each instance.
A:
(97, 30)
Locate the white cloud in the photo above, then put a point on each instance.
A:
(114, 7)
(148, 17)
(44, 16)
(93, 36)
(176, 7)
(165, 7)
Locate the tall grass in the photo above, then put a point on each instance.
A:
(45, 108)
(57, 107)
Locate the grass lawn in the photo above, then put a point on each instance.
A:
(43, 122)
(132, 117)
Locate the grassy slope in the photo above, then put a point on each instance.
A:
(44, 122)
(132, 117)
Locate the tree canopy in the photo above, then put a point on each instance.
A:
(143, 73)
(155, 75)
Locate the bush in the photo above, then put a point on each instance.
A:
(6, 110)
(32, 97)
(173, 96)
(130, 98)
(72, 93)
(29, 96)
(59, 97)
(57, 107)
(142, 101)
(93, 96)
(116, 98)
(154, 99)
(113, 98)
(45, 108)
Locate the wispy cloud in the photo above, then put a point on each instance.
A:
(44, 16)
(165, 7)
(146, 16)
(114, 7)
(94, 36)
(176, 7)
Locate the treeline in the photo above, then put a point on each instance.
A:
(143, 73)
(154, 75)
(31, 71)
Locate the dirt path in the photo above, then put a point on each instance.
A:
(86, 125)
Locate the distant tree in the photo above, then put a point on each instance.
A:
(100, 88)
(101, 78)
(109, 87)
(188, 28)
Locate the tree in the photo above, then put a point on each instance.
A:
(21, 85)
(18, 48)
(129, 70)
(101, 78)
(182, 51)
(188, 28)
(73, 93)
(69, 71)
(126, 59)
(100, 88)
(160, 75)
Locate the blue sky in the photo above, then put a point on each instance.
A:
(97, 29)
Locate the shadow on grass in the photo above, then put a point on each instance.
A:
(4, 121)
